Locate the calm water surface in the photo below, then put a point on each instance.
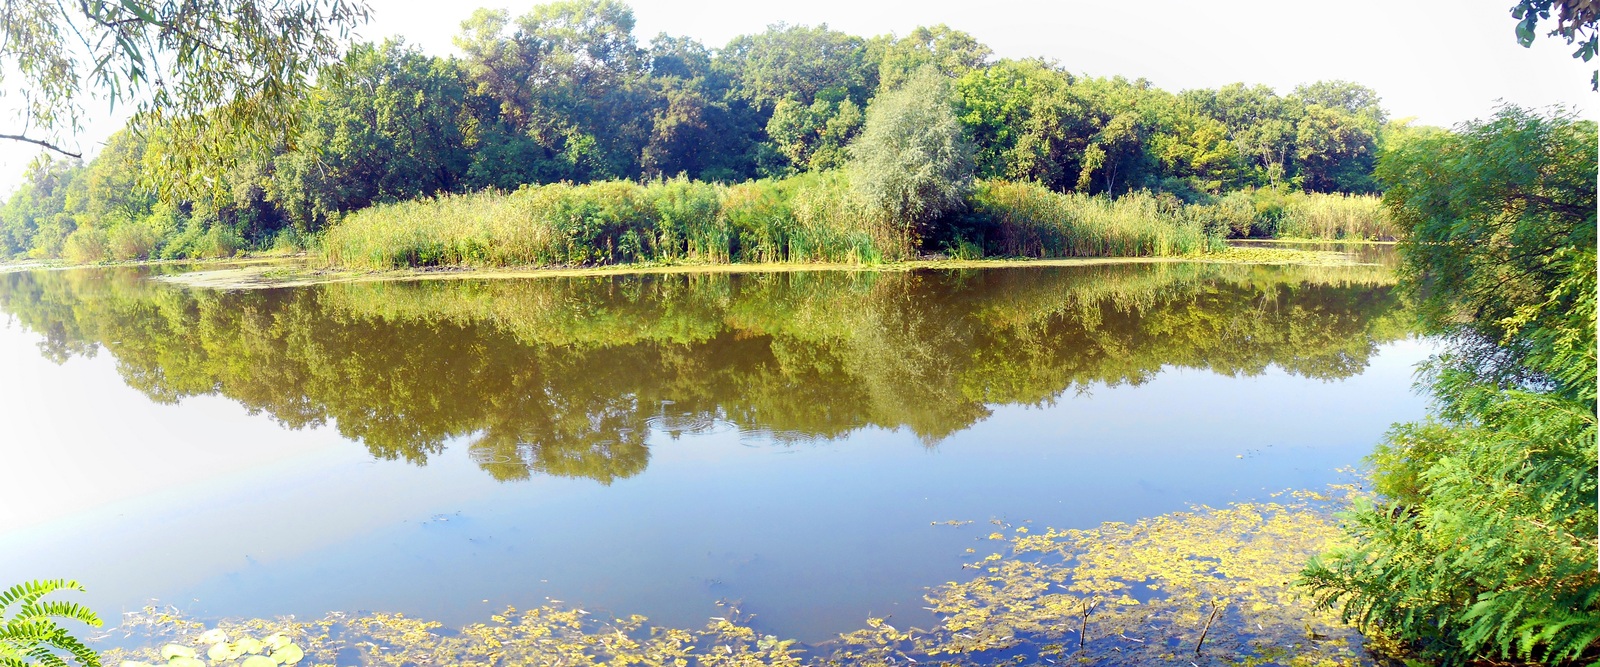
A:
(655, 444)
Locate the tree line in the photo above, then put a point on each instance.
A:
(568, 92)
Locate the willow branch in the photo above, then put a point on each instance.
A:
(40, 142)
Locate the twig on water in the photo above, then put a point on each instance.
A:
(1083, 629)
(1215, 608)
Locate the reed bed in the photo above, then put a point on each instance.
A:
(815, 218)
(806, 218)
(1029, 220)
(1313, 215)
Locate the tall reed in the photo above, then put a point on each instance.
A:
(1314, 215)
(812, 217)
(1030, 220)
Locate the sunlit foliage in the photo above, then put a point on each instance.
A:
(1482, 546)
(29, 633)
(567, 92)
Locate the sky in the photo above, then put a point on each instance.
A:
(1440, 61)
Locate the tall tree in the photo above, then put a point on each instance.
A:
(948, 50)
(387, 127)
(570, 76)
(912, 163)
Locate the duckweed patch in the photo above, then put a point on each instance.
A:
(1208, 586)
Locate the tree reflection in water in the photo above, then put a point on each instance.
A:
(570, 376)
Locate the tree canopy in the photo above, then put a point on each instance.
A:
(568, 92)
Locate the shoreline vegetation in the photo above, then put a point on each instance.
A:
(792, 144)
(813, 218)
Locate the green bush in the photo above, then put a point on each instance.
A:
(132, 240)
(86, 245)
(1480, 547)
(912, 164)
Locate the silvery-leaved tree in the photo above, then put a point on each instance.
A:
(912, 163)
(217, 77)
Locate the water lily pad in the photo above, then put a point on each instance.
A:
(182, 661)
(288, 655)
(222, 653)
(275, 641)
(171, 651)
(258, 661)
(248, 645)
(214, 636)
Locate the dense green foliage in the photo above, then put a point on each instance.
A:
(29, 635)
(568, 376)
(1482, 543)
(911, 164)
(567, 92)
(815, 218)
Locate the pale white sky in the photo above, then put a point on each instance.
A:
(1442, 61)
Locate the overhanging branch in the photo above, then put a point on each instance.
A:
(40, 142)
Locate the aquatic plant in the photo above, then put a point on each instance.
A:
(30, 636)
(274, 650)
(1207, 586)
(1019, 219)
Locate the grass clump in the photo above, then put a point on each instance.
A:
(1316, 215)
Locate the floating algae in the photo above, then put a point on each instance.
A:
(1209, 586)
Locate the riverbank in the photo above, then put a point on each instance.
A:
(294, 272)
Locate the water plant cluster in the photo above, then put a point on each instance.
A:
(1208, 586)
(810, 218)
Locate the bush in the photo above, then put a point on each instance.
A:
(1481, 544)
(86, 245)
(132, 240)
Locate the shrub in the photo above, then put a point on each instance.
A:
(86, 245)
(1481, 546)
(132, 240)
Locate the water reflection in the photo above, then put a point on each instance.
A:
(568, 377)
